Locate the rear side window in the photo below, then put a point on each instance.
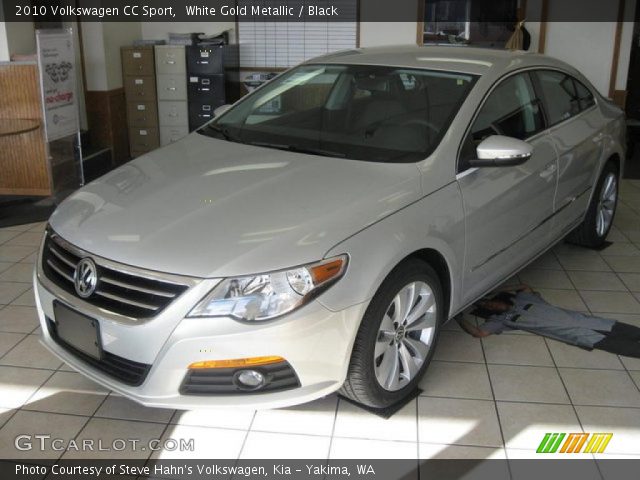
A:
(561, 100)
(585, 97)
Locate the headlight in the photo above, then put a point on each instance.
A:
(266, 296)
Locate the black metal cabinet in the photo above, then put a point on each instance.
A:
(201, 112)
(205, 60)
(203, 87)
(211, 69)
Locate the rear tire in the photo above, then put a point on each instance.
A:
(593, 230)
(397, 336)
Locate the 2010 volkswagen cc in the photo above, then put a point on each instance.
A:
(316, 235)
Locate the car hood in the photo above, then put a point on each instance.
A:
(211, 208)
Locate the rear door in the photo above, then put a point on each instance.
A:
(506, 208)
(576, 126)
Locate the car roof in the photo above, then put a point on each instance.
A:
(456, 58)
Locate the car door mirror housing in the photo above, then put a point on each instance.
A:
(501, 151)
(221, 109)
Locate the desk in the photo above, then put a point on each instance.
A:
(17, 126)
(24, 163)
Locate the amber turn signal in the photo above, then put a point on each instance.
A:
(326, 271)
(237, 363)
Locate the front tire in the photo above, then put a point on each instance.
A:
(593, 231)
(397, 336)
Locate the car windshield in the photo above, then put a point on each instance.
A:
(361, 112)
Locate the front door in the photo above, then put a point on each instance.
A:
(507, 209)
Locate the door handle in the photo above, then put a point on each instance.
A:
(548, 170)
(598, 138)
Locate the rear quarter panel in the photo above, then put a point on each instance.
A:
(614, 139)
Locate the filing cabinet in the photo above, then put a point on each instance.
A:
(170, 59)
(171, 80)
(210, 69)
(139, 79)
(143, 140)
(142, 114)
(201, 112)
(137, 61)
(173, 114)
(172, 86)
(172, 134)
(206, 86)
(205, 60)
(140, 88)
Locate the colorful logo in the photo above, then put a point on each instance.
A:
(574, 443)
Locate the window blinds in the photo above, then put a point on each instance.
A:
(266, 44)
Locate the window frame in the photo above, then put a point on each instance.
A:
(531, 70)
(460, 167)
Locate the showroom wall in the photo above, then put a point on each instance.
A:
(16, 38)
(21, 38)
(567, 41)
(373, 34)
(101, 43)
(4, 44)
(161, 30)
(588, 46)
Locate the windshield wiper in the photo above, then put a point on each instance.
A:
(222, 131)
(298, 149)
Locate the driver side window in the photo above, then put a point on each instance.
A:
(512, 110)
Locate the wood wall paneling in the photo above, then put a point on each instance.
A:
(23, 157)
(544, 15)
(620, 98)
(616, 49)
(107, 118)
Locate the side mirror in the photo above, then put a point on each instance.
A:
(501, 151)
(220, 110)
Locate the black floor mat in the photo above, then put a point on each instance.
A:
(604, 245)
(22, 210)
(388, 412)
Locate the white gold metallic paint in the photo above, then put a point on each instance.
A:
(211, 209)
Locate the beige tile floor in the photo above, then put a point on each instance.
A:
(490, 398)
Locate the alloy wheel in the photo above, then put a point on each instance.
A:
(606, 204)
(405, 336)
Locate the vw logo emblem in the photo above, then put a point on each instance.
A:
(85, 277)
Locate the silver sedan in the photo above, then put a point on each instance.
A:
(316, 235)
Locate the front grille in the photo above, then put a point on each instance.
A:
(117, 291)
(219, 381)
(127, 371)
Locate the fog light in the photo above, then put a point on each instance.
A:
(251, 379)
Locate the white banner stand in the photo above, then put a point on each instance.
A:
(57, 66)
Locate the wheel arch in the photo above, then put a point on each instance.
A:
(431, 229)
(614, 156)
(438, 262)
(617, 161)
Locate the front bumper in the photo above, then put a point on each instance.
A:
(315, 341)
